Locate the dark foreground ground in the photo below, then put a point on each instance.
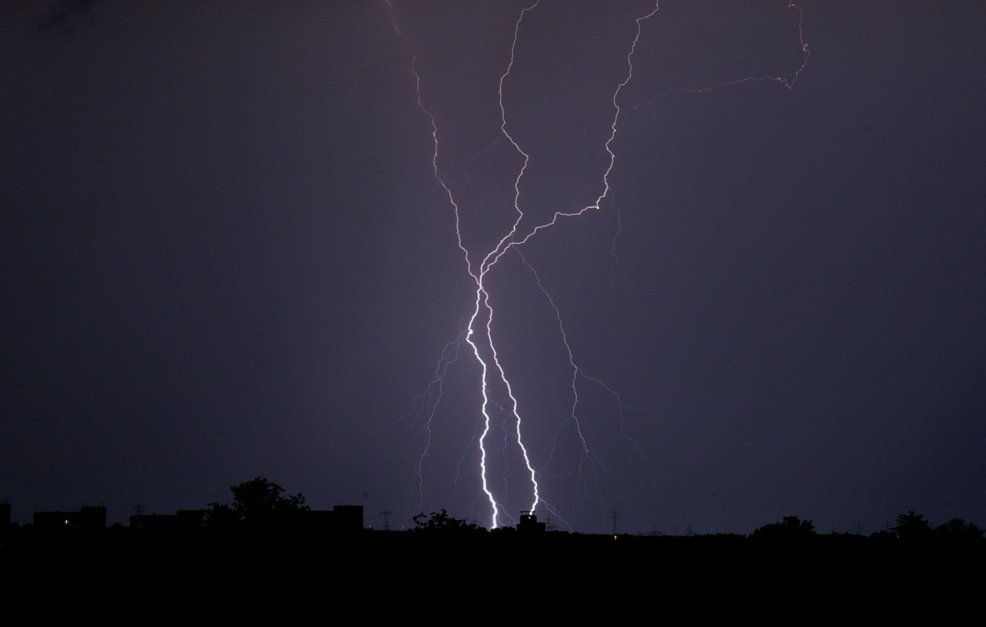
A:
(508, 575)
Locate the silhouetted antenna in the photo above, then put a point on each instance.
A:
(614, 516)
(386, 519)
(138, 509)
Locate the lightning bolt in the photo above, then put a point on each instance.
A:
(508, 241)
(479, 330)
(482, 296)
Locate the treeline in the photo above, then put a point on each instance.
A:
(261, 512)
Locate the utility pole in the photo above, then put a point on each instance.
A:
(386, 519)
(614, 516)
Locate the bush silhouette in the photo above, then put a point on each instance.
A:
(441, 522)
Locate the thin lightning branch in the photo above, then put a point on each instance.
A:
(466, 160)
(462, 458)
(503, 129)
(788, 81)
(619, 404)
(437, 383)
(576, 371)
(805, 51)
(505, 245)
(573, 414)
(612, 252)
(553, 512)
(434, 140)
(579, 373)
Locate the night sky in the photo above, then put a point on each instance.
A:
(224, 254)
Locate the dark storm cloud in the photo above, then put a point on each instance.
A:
(64, 15)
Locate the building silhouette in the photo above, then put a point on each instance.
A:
(183, 521)
(88, 518)
(340, 519)
(347, 518)
(529, 524)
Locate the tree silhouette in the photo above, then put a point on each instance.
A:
(791, 528)
(912, 527)
(959, 531)
(258, 503)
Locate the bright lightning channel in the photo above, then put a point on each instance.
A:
(482, 307)
(508, 241)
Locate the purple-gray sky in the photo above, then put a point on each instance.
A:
(223, 254)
